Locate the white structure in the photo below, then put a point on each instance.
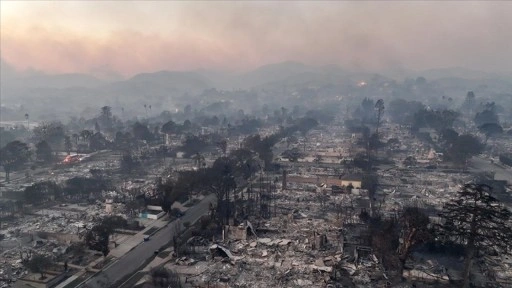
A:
(152, 212)
(108, 205)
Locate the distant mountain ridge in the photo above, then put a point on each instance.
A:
(36, 79)
(68, 95)
(290, 72)
(187, 79)
(16, 86)
(192, 80)
(457, 72)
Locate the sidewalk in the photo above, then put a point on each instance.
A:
(132, 241)
(159, 261)
(128, 242)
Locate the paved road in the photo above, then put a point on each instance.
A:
(133, 260)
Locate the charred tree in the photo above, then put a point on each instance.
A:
(478, 221)
(414, 230)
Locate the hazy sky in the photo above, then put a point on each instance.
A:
(130, 37)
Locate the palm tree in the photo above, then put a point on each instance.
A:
(76, 137)
(106, 117)
(199, 159)
(85, 134)
(106, 112)
(68, 144)
(379, 106)
(223, 145)
(27, 117)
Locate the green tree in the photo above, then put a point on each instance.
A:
(106, 118)
(129, 164)
(6, 136)
(402, 111)
(477, 220)
(221, 181)
(374, 143)
(487, 115)
(75, 138)
(41, 192)
(245, 163)
(469, 102)
(44, 152)
(193, 145)
(39, 264)
(67, 144)
(379, 107)
(123, 141)
(86, 134)
(223, 146)
(187, 125)
(463, 148)
(293, 154)
(13, 156)
(199, 160)
(98, 142)
(414, 230)
(98, 237)
(490, 129)
(114, 222)
(448, 136)
(366, 111)
(168, 195)
(263, 147)
(82, 187)
(52, 132)
(106, 112)
(97, 127)
(435, 119)
(385, 241)
(170, 128)
(141, 132)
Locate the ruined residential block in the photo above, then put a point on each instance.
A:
(319, 241)
(240, 232)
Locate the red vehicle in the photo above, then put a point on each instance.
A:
(70, 159)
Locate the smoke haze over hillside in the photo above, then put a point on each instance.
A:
(110, 38)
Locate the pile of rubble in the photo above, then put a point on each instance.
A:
(297, 249)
